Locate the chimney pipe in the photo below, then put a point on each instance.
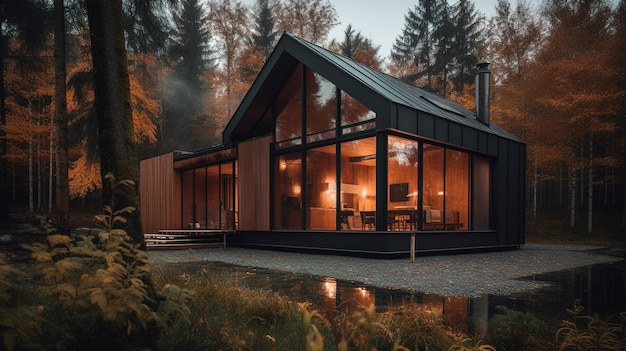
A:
(482, 92)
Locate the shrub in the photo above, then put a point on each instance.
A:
(583, 332)
(94, 293)
(514, 330)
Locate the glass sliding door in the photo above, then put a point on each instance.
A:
(213, 197)
(188, 200)
(200, 198)
(433, 187)
(357, 189)
(321, 203)
(228, 199)
(402, 168)
(288, 191)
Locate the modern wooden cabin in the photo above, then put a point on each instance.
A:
(327, 155)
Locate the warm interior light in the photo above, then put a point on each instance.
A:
(283, 164)
(296, 189)
(331, 187)
(364, 194)
(331, 288)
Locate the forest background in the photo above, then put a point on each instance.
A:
(558, 82)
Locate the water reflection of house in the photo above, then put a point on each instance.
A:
(458, 313)
(327, 155)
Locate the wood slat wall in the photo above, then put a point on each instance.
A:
(159, 194)
(254, 184)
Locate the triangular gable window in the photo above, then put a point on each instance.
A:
(322, 107)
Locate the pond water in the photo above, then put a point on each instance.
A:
(600, 288)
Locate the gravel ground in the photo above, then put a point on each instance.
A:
(470, 275)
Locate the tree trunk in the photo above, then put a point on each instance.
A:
(113, 108)
(590, 187)
(39, 186)
(50, 168)
(60, 116)
(4, 165)
(572, 189)
(31, 204)
(535, 190)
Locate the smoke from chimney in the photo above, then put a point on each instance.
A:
(482, 92)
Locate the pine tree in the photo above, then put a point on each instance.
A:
(466, 41)
(191, 59)
(358, 48)
(264, 33)
(416, 45)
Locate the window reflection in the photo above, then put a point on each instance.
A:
(210, 197)
(321, 106)
(289, 108)
(355, 117)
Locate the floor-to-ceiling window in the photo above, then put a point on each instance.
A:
(402, 175)
(433, 186)
(358, 184)
(213, 197)
(189, 215)
(288, 191)
(321, 191)
(209, 197)
(322, 182)
(457, 192)
(318, 197)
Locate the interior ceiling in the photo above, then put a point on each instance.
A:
(363, 151)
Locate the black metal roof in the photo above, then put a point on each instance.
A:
(374, 88)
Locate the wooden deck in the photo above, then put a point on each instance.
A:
(187, 239)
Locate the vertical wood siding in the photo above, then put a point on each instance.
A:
(159, 194)
(254, 184)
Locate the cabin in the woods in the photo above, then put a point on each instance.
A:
(327, 155)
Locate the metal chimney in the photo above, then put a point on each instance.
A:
(482, 92)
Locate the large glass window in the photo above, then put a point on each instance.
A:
(288, 191)
(188, 200)
(403, 179)
(355, 116)
(228, 196)
(321, 191)
(200, 194)
(321, 108)
(213, 197)
(209, 197)
(456, 215)
(289, 109)
(433, 187)
(358, 184)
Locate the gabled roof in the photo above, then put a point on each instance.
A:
(375, 89)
